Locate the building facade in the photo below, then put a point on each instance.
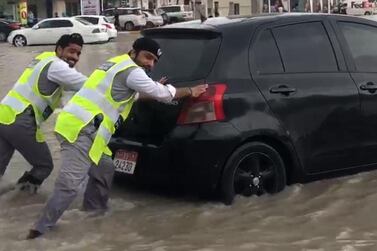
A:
(10, 9)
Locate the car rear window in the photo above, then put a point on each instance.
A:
(107, 20)
(186, 56)
(83, 21)
(93, 20)
(171, 9)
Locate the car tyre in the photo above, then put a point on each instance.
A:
(255, 168)
(3, 37)
(129, 26)
(149, 25)
(19, 41)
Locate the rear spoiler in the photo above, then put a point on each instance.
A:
(156, 32)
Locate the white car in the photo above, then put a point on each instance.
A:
(49, 30)
(129, 18)
(153, 20)
(104, 21)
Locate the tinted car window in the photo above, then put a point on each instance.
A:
(92, 20)
(186, 57)
(171, 9)
(61, 23)
(305, 47)
(83, 21)
(45, 24)
(361, 40)
(2, 24)
(265, 55)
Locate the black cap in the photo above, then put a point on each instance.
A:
(147, 44)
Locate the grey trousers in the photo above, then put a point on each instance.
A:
(20, 136)
(76, 165)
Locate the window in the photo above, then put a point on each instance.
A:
(61, 23)
(45, 25)
(92, 20)
(236, 9)
(305, 47)
(361, 40)
(186, 56)
(265, 55)
(83, 21)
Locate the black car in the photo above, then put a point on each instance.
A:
(291, 98)
(6, 27)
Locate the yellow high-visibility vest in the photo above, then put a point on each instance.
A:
(93, 99)
(26, 92)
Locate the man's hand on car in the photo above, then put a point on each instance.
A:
(163, 80)
(196, 91)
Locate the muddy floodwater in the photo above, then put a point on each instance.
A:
(335, 214)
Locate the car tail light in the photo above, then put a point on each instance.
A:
(207, 107)
(14, 26)
(108, 26)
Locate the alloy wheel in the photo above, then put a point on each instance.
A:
(19, 41)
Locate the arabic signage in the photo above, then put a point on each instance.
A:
(90, 7)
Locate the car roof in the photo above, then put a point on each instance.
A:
(123, 8)
(219, 22)
(97, 16)
(59, 18)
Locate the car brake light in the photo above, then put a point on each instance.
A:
(108, 26)
(14, 26)
(205, 108)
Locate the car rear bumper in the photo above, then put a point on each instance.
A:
(97, 37)
(189, 156)
(112, 33)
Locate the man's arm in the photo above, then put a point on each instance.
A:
(69, 78)
(139, 81)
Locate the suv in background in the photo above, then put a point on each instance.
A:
(292, 99)
(129, 18)
(177, 13)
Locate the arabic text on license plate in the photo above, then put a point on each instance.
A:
(125, 161)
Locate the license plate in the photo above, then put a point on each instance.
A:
(125, 161)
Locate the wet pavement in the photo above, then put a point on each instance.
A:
(336, 214)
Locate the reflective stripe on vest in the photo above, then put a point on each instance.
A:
(26, 89)
(14, 103)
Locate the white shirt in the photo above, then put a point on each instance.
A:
(139, 81)
(68, 78)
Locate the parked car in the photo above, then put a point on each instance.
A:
(6, 27)
(104, 21)
(129, 18)
(153, 20)
(177, 13)
(291, 98)
(49, 30)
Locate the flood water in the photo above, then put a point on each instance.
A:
(336, 214)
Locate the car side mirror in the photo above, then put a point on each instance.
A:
(35, 27)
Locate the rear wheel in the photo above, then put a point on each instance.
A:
(129, 26)
(3, 37)
(253, 169)
(19, 41)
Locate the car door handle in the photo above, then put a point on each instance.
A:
(283, 89)
(370, 86)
